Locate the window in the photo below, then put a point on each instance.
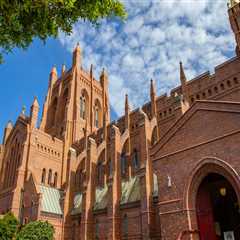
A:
(50, 176)
(135, 159)
(123, 163)
(55, 179)
(100, 174)
(43, 175)
(125, 226)
(96, 117)
(82, 107)
(154, 136)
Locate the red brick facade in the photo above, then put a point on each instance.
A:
(136, 178)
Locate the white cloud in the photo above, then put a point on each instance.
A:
(156, 36)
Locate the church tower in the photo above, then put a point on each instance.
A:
(75, 100)
(234, 17)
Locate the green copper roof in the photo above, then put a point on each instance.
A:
(130, 190)
(101, 198)
(155, 185)
(51, 200)
(77, 204)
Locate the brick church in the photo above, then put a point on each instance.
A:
(169, 170)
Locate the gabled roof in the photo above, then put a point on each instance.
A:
(202, 107)
(51, 198)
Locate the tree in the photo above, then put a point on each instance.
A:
(8, 227)
(37, 230)
(22, 21)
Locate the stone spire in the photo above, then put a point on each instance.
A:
(34, 113)
(183, 82)
(63, 69)
(91, 71)
(7, 131)
(185, 95)
(127, 113)
(53, 76)
(77, 56)
(153, 99)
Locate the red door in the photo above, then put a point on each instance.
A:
(205, 215)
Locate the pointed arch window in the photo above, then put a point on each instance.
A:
(123, 163)
(82, 107)
(136, 162)
(96, 117)
(100, 174)
(50, 176)
(43, 175)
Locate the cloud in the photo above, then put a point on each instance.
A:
(150, 44)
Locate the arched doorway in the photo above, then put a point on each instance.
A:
(218, 210)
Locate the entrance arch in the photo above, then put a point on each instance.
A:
(217, 209)
(201, 171)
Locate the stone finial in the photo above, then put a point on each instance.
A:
(182, 74)
(91, 70)
(23, 112)
(35, 103)
(152, 88)
(63, 69)
(77, 56)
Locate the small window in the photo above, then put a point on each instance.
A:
(216, 89)
(209, 92)
(235, 80)
(229, 83)
(222, 86)
(50, 177)
(203, 95)
(43, 175)
(198, 97)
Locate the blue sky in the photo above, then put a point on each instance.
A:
(150, 44)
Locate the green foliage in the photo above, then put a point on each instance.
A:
(36, 231)
(23, 20)
(8, 227)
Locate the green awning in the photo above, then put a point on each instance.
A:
(77, 204)
(51, 200)
(101, 198)
(131, 190)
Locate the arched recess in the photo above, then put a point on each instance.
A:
(201, 170)
(84, 104)
(124, 158)
(97, 114)
(100, 169)
(53, 112)
(64, 103)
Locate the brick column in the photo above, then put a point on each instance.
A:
(116, 186)
(90, 193)
(146, 179)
